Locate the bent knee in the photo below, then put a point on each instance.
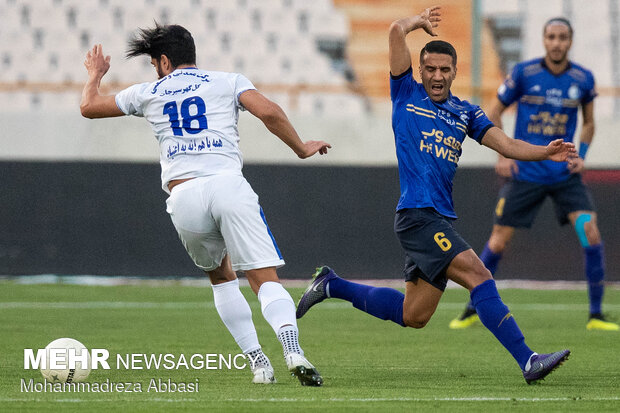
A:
(498, 244)
(587, 230)
(482, 273)
(500, 238)
(414, 321)
(476, 276)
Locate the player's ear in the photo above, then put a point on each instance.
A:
(165, 63)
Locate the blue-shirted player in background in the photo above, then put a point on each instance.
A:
(549, 92)
(429, 126)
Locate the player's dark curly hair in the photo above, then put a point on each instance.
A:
(439, 46)
(172, 40)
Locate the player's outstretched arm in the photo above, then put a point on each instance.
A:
(274, 118)
(557, 150)
(400, 58)
(93, 104)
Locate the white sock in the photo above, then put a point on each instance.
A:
(279, 310)
(257, 359)
(235, 312)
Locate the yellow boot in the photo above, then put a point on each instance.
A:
(598, 322)
(465, 320)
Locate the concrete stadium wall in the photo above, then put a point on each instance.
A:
(64, 135)
(110, 219)
(83, 197)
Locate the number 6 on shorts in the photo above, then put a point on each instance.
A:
(443, 242)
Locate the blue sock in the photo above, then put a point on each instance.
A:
(497, 318)
(595, 273)
(490, 260)
(383, 303)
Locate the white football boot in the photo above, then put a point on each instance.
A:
(301, 368)
(263, 375)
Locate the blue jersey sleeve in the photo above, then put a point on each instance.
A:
(478, 125)
(401, 85)
(510, 91)
(589, 89)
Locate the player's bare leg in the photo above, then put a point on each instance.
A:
(223, 273)
(236, 314)
(500, 238)
(467, 270)
(421, 300)
(585, 224)
(279, 310)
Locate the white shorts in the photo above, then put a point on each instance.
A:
(218, 215)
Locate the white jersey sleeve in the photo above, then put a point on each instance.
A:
(242, 84)
(129, 101)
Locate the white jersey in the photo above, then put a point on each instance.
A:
(194, 116)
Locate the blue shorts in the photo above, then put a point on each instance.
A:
(430, 243)
(520, 201)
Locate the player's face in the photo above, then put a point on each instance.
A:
(437, 72)
(557, 41)
(158, 67)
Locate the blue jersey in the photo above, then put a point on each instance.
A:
(547, 110)
(428, 138)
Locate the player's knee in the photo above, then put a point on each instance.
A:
(484, 275)
(415, 323)
(500, 238)
(415, 320)
(592, 233)
(221, 275)
(498, 244)
(476, 279)
(587, 230)
(477, 275)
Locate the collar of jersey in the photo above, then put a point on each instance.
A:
(443, 102)
(544, 64)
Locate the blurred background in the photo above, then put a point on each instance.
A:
(84, 197)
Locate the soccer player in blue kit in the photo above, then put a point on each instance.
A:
(429, 126)
(549, 92)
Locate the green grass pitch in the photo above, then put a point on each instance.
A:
(367, 364)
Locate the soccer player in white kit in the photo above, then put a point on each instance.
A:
(216, 213)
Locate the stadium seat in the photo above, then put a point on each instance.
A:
(271, 41)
